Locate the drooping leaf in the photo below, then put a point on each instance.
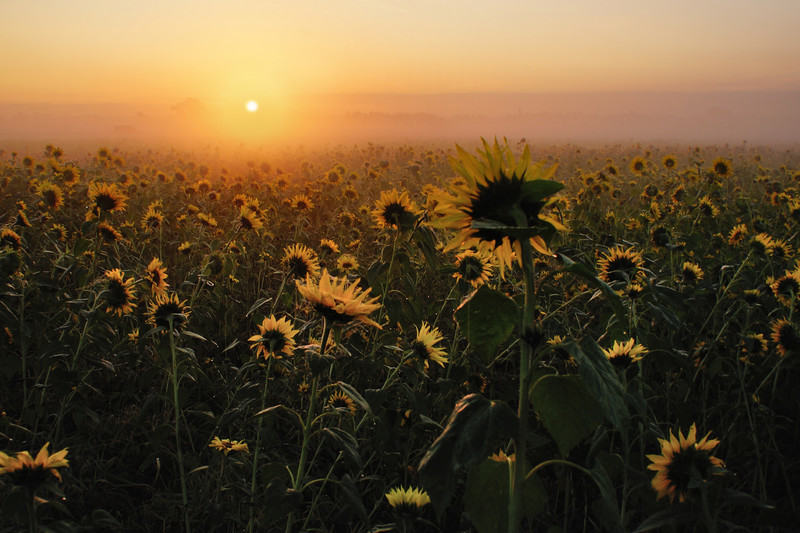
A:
(601, 379)
(567, 409)
(468, 438)
(486, 317)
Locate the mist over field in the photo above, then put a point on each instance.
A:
(594, 117)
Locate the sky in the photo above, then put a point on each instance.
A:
(159, 54)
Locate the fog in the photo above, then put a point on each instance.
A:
(722, 117)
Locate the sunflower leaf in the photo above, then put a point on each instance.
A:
(614, 300)
(471, 431)
(486, 317)
(566, 408)
(486, 496)
(601, 379)
(356, 397)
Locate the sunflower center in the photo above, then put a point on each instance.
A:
(497, 200)
(471, 268)
(116, 294)
(105, 202)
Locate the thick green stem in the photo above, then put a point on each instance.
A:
(526, 357)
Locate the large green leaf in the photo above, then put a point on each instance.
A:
(602, 380)
(486, 317)
(486, 496)
(471, 432)
(566, 408)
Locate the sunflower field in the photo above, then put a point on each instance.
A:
(413, 338)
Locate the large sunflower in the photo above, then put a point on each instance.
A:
(275, 337)
(785, 336)
(338, 300)
(683, 462)
(29, 472)
(395, 210)
(499, 203)
(118, 294)
(300, 261)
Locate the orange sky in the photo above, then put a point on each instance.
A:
(223, 53)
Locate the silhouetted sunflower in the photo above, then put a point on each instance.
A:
(10, 239)
(683, 463)
(52, 196)
(498, 203)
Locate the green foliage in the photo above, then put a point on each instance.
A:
(486, 317)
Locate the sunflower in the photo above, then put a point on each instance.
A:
(206, 221)
(106, 197)
(707, 207)
(395, 210)
(152, 219)
(473, 267)
(22, 219)
(32, 473)
(227, 445)
(762, 244)
(51, 195)
(347, 263)
(118, 294)
(337, 300)
(722, 167)
(638, 165)
(341, 401)
(301, 202)
(108, 232)
(156, 275)
(691, 272)
(275, 337)
(621, 265)
(408, 499)
(185, 248)
(424, 346)
(737, 234)
(753, 345)
(327, 246)
(623, 355)
(300, 261)
(10, 239)
(498, 204)
(164, 307)
(248, 220)
(781, 249)
(669, 161)
(59, 232)
(785, 336)
(683, 462)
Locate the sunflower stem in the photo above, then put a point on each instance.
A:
(526, 355)
(251, 522)
(176, 404)
(301, 466)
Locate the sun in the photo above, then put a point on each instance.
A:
(251, 106)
